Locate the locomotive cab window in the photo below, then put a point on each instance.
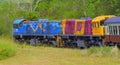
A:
(101, 23)
(21, 23)
(15, 25)
(18, 25)
(98, 25)
(95, 25)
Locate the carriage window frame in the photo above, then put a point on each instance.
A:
(119, 30)
(110, 30)
(114, 29)
(107, 32)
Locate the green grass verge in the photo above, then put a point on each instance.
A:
(7, 48)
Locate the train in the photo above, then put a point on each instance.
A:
(76, 33)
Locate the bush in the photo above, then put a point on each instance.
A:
(99, 51)
(31, 15)
(103, 52)
(6, 49)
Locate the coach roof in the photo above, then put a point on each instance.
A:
(114, 20)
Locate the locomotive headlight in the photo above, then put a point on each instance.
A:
(15, 30)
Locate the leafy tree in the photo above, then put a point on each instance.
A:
(11, 10)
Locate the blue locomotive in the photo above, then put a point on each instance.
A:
(36, 31)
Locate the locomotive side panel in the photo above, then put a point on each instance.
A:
(88, 27)
(55, 27)
(69, 28)
(79, 27)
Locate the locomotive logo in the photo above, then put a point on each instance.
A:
(41, 27)
(34, 29)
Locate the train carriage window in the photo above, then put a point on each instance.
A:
(114, 30)
(119, 29)
(110, 30)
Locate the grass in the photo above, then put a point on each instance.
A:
(43, 55)
(7, 48)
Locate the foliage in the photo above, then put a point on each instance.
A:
(11, 10)
(31, 15)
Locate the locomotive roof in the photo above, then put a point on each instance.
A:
(18, 21)
(101, 18)
(114, 20)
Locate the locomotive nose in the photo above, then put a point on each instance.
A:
(15, 30)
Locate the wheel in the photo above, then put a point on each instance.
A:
(33, 42)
